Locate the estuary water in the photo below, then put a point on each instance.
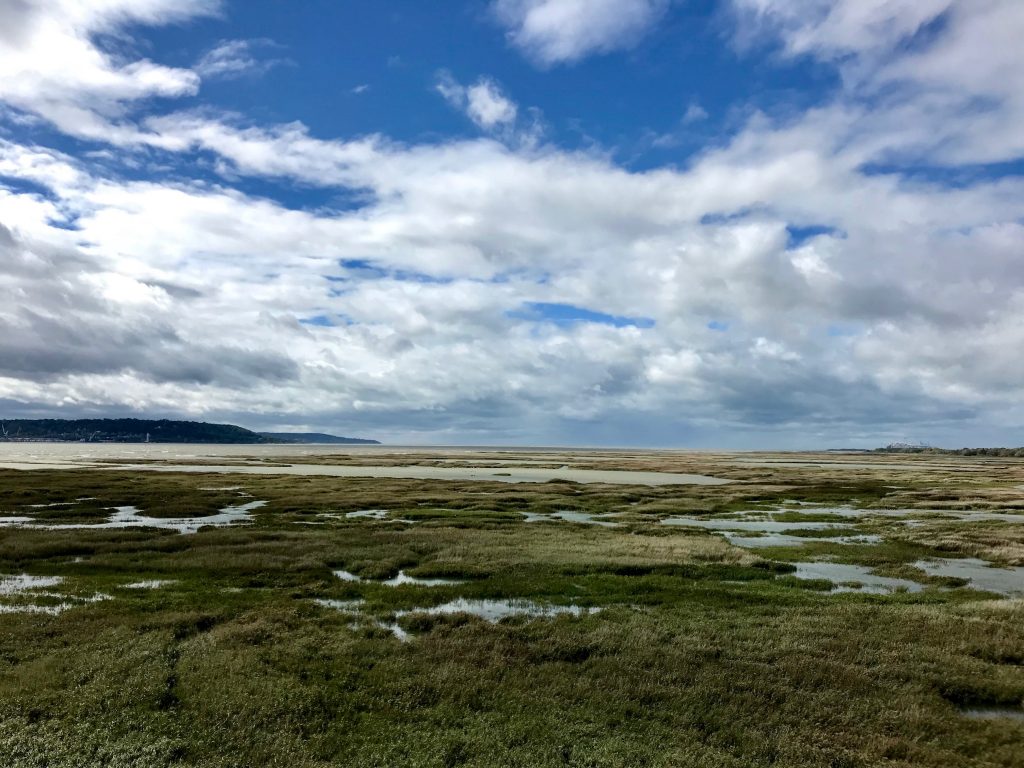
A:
(288, 460)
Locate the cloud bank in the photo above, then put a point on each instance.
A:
(813, 277)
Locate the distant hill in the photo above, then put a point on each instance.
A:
(314, 437)
(148, 430)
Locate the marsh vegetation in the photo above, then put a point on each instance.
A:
(386, 621)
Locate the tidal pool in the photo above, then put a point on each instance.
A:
(150, 584)
(131, 517)
(585, 518)
(399, 580)
(404, 578)
(981, 575)
(496, 610)
(761, 526)
(785, 540)
(570, 516)
(854, 578)
(373, 514)
(492, 611)
(912, 516)
(34, 588)
(23, 582)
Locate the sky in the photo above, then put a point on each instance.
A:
(672, 223)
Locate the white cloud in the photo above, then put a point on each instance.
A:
(934, 80)
(459, 237)
(483, 102)
(236, 58)
(563, 31)
(117, 283)
(487, 107)
(694, 114)
(51, 64)
(834, 28)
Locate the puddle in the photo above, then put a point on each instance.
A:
(993, 713)
(15, 585)
(496, 610)
(761, 526)
(340, 605)
(151, 584)
(403, 578)
(569, 516)
(585, 518)
(784, 540)
(131, 517)
(372, 514)
(913, 516)
(24, 585)
(854, 578)
(489, 610)
(399, 580)
(980, 574)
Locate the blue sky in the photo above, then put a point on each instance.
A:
(706, 223)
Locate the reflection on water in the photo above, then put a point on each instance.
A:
(126, 456)
(404, 578)
(496, 610)
(401, 579)
(570, 516)
(17, 584)
(373, 514)
(854, 578)
(131, 517)
(980, 574)
(25, 586)
(765, 526)
(784, 540)
(150, 584)
(489, 610)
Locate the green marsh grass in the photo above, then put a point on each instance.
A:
(702, 654)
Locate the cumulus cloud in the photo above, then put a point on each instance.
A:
(455, 240)
(931, 79)
(563, 31)
(483, 102)
(51, 64)
(71, 317)
(787, 282)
